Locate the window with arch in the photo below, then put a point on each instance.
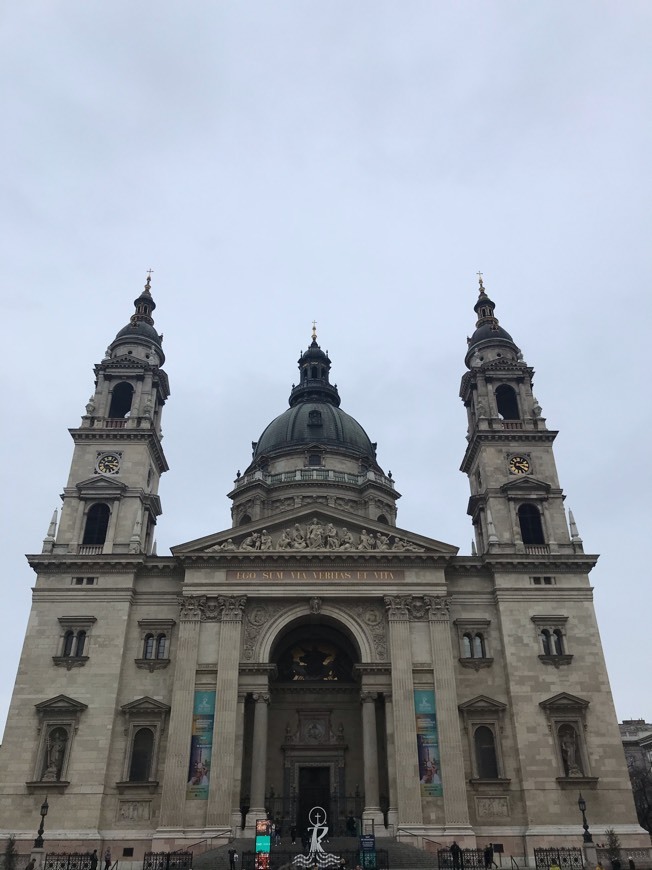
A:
(155, 643)
(146, 720)
(483, 720)
(529, 519)
(97, 524)
(553, 647)
(485, 752)
(121, 399)
(473, 640)
(244, 519)
(155, 646)
(142, 750)
(507, 402)
(74, 641)
(381, 518)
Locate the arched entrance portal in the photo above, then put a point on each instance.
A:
(315, 752)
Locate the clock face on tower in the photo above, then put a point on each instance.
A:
(519, 465)
(108, 463)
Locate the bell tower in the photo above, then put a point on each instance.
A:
(110, 502)
(516, 502)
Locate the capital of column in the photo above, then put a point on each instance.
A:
(368, 697)
(190, 607)
(260, 697)
(438, 607)
(232, 607)
(398, 607)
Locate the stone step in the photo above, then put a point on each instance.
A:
(400, 856)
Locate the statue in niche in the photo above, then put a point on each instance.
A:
(569, 751)
(55, 751)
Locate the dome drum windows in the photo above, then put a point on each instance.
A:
(74, 641)
(155, 635)
(473, 639)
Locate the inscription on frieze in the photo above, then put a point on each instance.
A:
(319, 574)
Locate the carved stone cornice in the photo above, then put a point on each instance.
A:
(438, 608)
(232, 607)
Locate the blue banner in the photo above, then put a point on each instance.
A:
(201, 746)
(427, 743)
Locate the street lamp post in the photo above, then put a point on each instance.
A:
(38, 842)
(581, 803)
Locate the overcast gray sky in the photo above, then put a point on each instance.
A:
(356, 163)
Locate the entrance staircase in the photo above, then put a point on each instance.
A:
(400, 856)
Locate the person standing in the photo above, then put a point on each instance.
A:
(107, 858)
(293, 834)
(94, 860)
(456, 854)
(488, 856)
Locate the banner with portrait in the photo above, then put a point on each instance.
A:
(201, 746)
(427, 743)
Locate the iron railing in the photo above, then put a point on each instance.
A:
(466, 859)
(566, 859)
(167, 861)
(352, 858)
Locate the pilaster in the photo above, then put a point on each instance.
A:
(456, 808)
(219, 807)
(370, 756)
(405, 729)
(175, 774)
(392, 813)
(258, 760)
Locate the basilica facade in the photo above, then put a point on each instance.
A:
(315, 653)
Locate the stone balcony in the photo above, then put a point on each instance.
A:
(301, 475)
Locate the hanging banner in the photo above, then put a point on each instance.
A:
(201, 745)
(427, 743)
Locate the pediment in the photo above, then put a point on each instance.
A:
(100, 486)
(482, 704)
(145, 705)
(526, 486)
(315, 529)
(564, 701)
(60, 704)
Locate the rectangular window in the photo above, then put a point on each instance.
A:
(81, 581)
(543, 581)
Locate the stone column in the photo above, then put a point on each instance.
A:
(258, 760)
(370, 755)
(220, 790)
(392, 814)
(408, 790)
(175, 766)
(456, 808)
(236, 816)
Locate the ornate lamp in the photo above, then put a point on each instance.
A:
(581, 803)
(38, 842)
